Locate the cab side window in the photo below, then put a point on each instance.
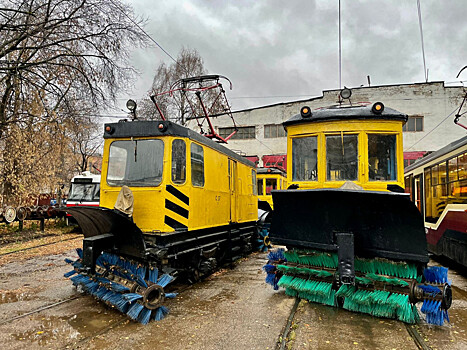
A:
(260, 187)
(178, 161)
(197, 165)
(382, 157)
(253, 178)
(305, 158)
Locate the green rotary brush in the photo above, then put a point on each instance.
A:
(380, 287)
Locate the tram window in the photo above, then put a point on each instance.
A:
(305, 158)
(135, 163)
(459, 191)
(197, 165)
(452, 168)
(408, 186)
(434, 175)
(342, 157)
(382, 157)
(253, 178)
(442, 173)
(178, 161)
(260, 187)
(462, 166)
(428, 195)
(271, 184)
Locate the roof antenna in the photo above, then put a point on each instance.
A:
(340, 48)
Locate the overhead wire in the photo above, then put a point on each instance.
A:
(149, 36)
(441, 122)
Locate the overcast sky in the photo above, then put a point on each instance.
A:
(277, 51)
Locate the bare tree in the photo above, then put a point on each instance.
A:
(38, 158)
(62, 50)
(60, 61)
(86, 140)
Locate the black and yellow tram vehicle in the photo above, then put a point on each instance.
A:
(173, 204)
(269, 179)
(353, 238)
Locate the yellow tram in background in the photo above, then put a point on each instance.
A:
(269, 179)
(354, 239)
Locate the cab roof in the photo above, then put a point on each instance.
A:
(342, 113)
(150, 128)
(271, 170)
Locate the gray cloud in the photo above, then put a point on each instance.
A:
(277, 48)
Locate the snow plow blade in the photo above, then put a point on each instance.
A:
(115, 231)
(384, 224)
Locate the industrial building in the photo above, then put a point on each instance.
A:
(431, 108)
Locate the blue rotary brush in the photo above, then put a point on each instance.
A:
(130, 287)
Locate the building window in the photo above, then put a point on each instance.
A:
(408, 162)
(274, 130)
(243, 132)
(414, 124)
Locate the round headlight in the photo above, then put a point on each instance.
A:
(131, 105)
(346, 93)
(377, 108)
(305, 112)
(109, 129)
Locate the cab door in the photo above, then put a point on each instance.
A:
(233, 190)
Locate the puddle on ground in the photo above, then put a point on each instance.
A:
(208, 298)
(69, 328)
(12, 296)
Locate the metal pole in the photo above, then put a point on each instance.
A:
(340, 48)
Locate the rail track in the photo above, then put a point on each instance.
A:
(42, 308)
(284, 336)
(82, 342)
(40, 245)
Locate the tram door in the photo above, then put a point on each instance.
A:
(417, 192)
(233, 190)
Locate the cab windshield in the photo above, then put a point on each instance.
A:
(342, 157)
(84, 192)
(135, 163)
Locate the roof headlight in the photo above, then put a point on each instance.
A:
(377, 108)
(305, 112)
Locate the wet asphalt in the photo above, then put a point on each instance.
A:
(232, 309)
